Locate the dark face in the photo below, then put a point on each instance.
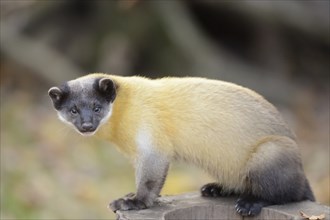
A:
(85, 103)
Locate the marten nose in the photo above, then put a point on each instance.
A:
(87, 126)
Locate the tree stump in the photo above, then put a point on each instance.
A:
(192, 206)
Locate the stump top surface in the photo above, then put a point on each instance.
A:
(192, 206)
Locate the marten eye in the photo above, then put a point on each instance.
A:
(97, 109)
(74, 111)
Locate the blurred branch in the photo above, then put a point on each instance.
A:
(311, 17)
(40, 58)
(209, 60)
(22, 14)
(43, 60)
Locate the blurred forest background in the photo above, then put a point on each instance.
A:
(278, 48)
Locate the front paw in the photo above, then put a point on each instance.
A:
(127, 203)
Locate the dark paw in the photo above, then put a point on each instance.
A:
(249, 206)
(214, 190)
(129, 202)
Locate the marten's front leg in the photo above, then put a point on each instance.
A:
(151, 171)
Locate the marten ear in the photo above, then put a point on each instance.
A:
(107, 88)
(56, 94)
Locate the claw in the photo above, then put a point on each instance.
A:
(214, 190)
(127, 203)
(249, 206)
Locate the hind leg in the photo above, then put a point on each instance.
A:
(274, 176)
(249, 205)
(215, 190)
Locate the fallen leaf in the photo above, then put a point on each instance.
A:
(312, 217)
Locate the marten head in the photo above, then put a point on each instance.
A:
(84, 103)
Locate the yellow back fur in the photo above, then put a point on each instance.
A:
(211, 123)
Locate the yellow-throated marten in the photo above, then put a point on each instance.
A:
(228, 130)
